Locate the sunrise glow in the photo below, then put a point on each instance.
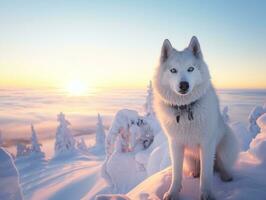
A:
(76, 88)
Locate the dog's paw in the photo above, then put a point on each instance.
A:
(171, 196)
(207, 196)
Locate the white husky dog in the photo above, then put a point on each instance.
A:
(188, 109)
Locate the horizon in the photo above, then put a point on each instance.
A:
(86, 45)
(96, 104)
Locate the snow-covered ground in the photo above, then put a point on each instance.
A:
(249, 176)
(134, 161)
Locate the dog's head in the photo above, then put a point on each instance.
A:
(182, 76)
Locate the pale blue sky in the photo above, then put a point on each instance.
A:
(113, 43)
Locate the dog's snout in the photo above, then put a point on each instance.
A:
(184, 85)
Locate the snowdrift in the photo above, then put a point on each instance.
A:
(136, 166)
(9, 178)
(129, 144)
(249, 174)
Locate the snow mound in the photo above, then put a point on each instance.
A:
(258, 145)
(253, 116)
(159, 157)
(257, 121)
(127, 146)
(243, 136)
(112, 197)
(9, 183)
(127, 175)
(261, 121)
(247, 184)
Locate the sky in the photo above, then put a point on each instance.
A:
(55, 43)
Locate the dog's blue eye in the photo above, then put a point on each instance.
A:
(190, 69)
(173, 70)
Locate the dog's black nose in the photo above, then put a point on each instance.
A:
(183, 85)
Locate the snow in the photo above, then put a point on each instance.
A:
(127, 146)
(81, 145)
(1, 139)
(65, 142)
(248, 173)
(253, 116)
(248, 184)
(22, 150)
(159, 159)
(127, 175)
(9, 178)
(119, 126)
(149, 100)
(99, 147)
(258, 145)
(35, 149)
(225, 114)
(261, 121)
(243, 135)
(133, 162)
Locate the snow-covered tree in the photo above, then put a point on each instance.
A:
(65, 141)
(225, 114)
(100, 134)
(35, 145)
(254, 129)
(150, 114)
(127, 143)
(81, 145)
(22, 150)
(149, 100)
(129, 133)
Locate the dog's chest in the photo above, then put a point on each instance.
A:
(186, 129)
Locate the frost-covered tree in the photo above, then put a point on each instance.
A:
(100, 133)
(81, 145)
(127, 143)
(150, 114)
(254, 129)
(35, 145)
(22, 150)
(65, 141)
(129, 132)
(149, 100)
(225, 114)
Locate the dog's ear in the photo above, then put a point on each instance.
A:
(194, 46)
(166, 50)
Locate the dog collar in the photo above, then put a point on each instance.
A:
(184, 109)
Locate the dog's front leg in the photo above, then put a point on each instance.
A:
(177, 157)
(207, 152)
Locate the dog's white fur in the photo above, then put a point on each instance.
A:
(207, 136)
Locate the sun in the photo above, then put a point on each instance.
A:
(76, 88)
